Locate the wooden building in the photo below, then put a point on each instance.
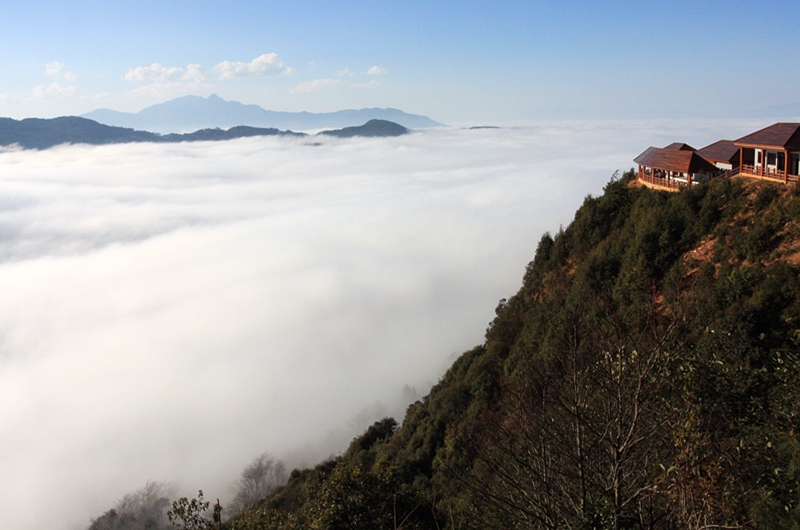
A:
(724, 154)
(772, 153)
(673, 167)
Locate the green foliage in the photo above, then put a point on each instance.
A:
(188, 514)
(364, 449)
(351, 499)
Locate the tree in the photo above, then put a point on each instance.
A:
(352, 499)
(142, 509)
(188, 514)
(575, 438)
(258, 480)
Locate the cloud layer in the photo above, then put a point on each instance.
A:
(264, 65)
(171, 311)
(55, 90)
(157, 73)
(377, 70)
(56, 69)
(164, 82)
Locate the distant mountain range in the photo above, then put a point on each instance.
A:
(35, 133)
(190, 113)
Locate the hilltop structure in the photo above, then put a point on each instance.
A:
(772, 153)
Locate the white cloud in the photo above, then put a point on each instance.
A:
(173, 81)
(53, 69)
(318, 84)
(53, 90)
(56, 69)
(264, 65)
(167, 82)
(195, 72)
(377, 70)
(345, 72)
(154, 72)
(158, 73)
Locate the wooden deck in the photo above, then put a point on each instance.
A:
(745, 170)
(676, 185)
(658, 183)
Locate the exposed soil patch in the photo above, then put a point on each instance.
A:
(702, 252)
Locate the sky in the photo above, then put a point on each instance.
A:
(456, 62)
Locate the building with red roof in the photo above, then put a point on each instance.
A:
(724, 154)
(673, 168)
(772, 153)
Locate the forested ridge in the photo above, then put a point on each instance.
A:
(36, 133)
(646, 375)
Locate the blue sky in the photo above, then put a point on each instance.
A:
(454, 61)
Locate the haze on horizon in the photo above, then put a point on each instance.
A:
(456, 62)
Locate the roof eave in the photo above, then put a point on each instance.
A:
(763, 146)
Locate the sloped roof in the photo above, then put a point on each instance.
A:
(777, 136)
(674, 160)
(721, 151)
(678, 146)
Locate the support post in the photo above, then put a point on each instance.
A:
(785, 165)
(741, 158)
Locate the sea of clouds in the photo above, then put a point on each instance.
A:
(168, 312)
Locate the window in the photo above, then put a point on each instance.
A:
(772, 158)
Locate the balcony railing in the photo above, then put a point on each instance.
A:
(745, 170)
(661, 182)
(767, 173)
(727, 174)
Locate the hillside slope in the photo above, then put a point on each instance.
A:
(646, 375)
(371, 128)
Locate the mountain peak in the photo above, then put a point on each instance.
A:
(191, 113)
